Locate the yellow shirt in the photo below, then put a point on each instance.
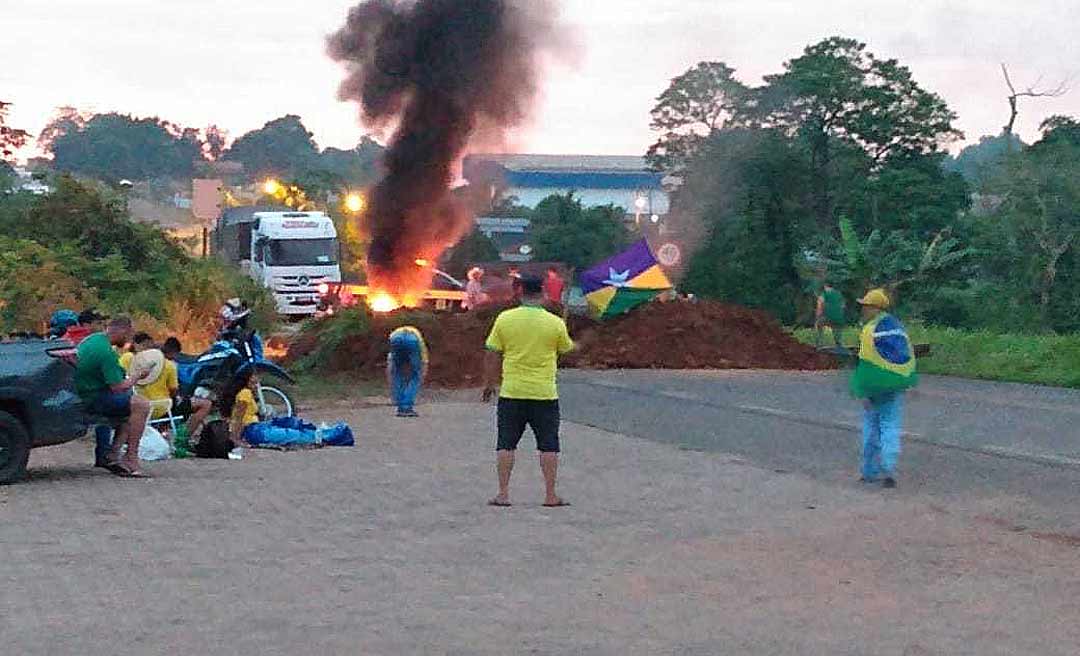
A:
(161, 389)
(419, 336)
(531, 339)
(246, 400)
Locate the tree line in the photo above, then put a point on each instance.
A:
(836, 169)
(113, 147)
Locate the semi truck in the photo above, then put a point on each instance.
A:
(290, 253)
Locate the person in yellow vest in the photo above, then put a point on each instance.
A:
(406, 368)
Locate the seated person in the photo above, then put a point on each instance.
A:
(240, 406)
(105, 390)
(160, 382)
(197, 409)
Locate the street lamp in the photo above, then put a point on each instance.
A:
(355, 203)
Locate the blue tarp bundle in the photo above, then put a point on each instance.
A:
(293, 431)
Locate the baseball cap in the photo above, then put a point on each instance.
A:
(875, 298)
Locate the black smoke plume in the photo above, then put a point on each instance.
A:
(441, 74)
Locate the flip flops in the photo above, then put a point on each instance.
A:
(124, 472)
(499, 504)
(562, 503)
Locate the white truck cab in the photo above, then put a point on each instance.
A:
(292, 253)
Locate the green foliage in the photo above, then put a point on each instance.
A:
(563, 230)
(113, 147)
(751, 184)
(281, 148)
(990, 355)
(982, 162)
(475, 247)
(331, 334)
(691, 109)
(34, 283)
(77, 247)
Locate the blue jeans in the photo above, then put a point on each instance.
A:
(103, 436)
(882, 422)
(406, 366)
(110, 404)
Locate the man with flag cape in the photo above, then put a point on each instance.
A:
(623, 282)
(886, 369)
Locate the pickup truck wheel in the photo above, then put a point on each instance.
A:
(14, 448)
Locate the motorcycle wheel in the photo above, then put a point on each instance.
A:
(277, 403)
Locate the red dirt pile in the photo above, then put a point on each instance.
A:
(677, 335)
(684, 335)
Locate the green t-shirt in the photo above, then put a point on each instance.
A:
(530, 339)
(98, 368)
(834, 305)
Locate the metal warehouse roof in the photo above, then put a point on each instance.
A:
(563, 171)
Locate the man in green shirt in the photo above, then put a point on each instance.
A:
(524, 346)
(830, 312)
(106, 390)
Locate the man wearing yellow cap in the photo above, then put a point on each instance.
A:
(886, 369)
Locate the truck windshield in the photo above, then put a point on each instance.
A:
(297, 252)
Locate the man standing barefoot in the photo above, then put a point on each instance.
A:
(524, 345)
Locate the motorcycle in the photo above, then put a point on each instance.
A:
(209, 375)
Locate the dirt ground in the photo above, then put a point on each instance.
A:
(389, 548)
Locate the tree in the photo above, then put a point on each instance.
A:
(842, 101)
(981, 162)
(113, 147)
(10, 138)
(696, 104)
(1042, 212)
(281, 148)
(214, 141)
(752, 187)
(563, 230)
(474, 248)
(1031, 92)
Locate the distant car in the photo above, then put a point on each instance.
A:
(38, 404)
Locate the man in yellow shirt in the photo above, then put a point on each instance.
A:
(406, 367)
(524, 347)
(160, 390)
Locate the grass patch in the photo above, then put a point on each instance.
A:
(1019, 358)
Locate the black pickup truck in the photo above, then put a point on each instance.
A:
(38, 405)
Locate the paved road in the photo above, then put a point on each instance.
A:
(388, 549)
(974, 437)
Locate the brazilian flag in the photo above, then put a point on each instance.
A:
(623, 282)
(886, 359)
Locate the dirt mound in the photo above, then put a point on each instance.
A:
(456, 342)
(702, 335)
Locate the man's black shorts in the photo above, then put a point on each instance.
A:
(541, 416)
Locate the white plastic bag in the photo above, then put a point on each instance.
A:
(153, 445)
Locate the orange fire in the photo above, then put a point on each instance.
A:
(383, 302)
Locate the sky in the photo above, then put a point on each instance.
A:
(241, 63)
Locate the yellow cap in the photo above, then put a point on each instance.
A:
(875, 298)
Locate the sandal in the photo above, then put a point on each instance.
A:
(124, 472)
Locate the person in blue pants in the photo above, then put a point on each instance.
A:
(886, 369)
(406, 368)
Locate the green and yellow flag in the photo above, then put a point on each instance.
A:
(886, 359)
